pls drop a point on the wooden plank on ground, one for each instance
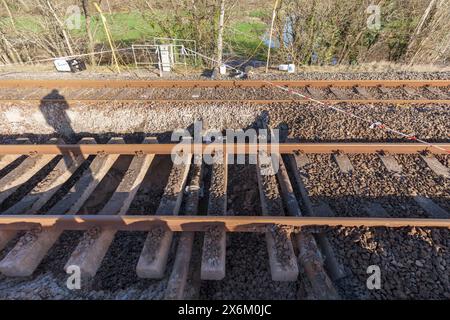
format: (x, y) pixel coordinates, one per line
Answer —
(312, 262)
(215, 240)
(23, 172)
(332, 265)
(431, 208)
(301, 159)
(335, 269)
(176, 285)
(153, 259)
(315, 93)
(437, 167)
(44, 190)
(323, 210)
(24, 258)
(376, 210)
(297, 162)
(283, 263)
(411, 91)
(339, 93)
(384, 90)
(390, 163)
(91, 250)
(7, 159)
(343, 162)
(363, 92)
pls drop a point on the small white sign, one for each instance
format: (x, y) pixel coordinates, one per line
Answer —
(291, 68)
(61, 65)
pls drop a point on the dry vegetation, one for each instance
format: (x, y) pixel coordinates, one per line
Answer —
(310, 32)
(330, 31)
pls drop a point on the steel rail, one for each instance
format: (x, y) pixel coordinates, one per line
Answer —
(250, 101)
(232, 148)
(202, 223)
(52, 84)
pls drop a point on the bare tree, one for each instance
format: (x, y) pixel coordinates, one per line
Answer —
(62, 28)
(220, 33)
(87, 15)
(11, 18)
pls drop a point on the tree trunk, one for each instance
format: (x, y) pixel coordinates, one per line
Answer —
(220, 35)
(91, 44)
(425, 16)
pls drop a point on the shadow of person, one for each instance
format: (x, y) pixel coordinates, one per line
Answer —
(54, 109)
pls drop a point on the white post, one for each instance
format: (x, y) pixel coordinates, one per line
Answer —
(220, 34)
(274, 13)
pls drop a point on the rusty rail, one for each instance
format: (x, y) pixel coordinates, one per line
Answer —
(52, 84)
(250, 101)
(236, 148)
(202, 223)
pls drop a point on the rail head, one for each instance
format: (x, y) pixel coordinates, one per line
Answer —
(202, 223)
(90, 100)
(230, 148)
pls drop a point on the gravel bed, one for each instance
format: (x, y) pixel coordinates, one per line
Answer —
(306, 121)
(399, 93)
(216, 206)
(399, 75)
(217, 190)
(242, 193)
(268, 93)
(313, 123)
(348, 194)
(414, 262)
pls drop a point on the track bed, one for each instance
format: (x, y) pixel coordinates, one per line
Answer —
(213, 261)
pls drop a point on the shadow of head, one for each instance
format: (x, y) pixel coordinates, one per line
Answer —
(53, 107)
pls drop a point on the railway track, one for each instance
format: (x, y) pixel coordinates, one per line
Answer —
(189, 236)
(287, 209)
(249, 91)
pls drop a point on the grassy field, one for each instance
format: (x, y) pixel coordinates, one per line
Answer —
(246, 38)
(133, 27)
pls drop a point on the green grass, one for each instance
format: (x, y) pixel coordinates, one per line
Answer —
(124, 27)
(127, 27)
(245, 37)
(131, 27)
(258, 13)
(23, 23)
